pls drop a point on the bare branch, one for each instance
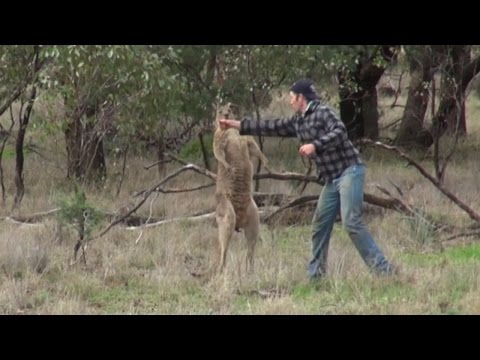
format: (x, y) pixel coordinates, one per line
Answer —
(472, 213)
(210, 215)
(124, 164)
(391, 124)
(148, 219)
(399, 190)
(147, 167)
(200, 217)
(193, 167)
(466, 234)
(294, 203)
(176, 191)
(30, 219)
(146, 194)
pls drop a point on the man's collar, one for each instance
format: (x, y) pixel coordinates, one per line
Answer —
(310, 106)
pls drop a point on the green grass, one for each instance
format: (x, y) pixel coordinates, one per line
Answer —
(457, 255)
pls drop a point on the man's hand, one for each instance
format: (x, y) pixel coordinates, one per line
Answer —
(307, 149)
(229, 123)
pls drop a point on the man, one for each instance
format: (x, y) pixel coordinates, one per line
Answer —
(324, 138)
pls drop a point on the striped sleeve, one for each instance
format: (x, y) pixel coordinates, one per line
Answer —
(282, 127)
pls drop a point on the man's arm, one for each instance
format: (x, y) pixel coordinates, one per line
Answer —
(281, 127)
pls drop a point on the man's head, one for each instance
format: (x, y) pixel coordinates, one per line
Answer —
(301, 93)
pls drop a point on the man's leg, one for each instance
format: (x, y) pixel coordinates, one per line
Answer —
(322, 225)
(350, 186)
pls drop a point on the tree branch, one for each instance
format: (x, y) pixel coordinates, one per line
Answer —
(472, 213)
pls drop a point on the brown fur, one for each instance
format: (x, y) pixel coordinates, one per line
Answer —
(236, 208)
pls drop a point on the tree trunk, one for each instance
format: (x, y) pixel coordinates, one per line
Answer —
(203, 147)
(452, 104)
(411, 130)
(351, 108)
(86, 159)
(23, 123)
(359, 107)
(161, 148)
(370, 114)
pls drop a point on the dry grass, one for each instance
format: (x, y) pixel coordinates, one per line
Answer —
(152, 277)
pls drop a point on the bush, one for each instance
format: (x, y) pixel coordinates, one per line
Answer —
(192, 150)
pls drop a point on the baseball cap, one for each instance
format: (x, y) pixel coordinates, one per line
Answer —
(305, 87)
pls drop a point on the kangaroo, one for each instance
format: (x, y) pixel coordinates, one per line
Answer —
(235, 208)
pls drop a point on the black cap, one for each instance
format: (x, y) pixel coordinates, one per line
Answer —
(306, 88)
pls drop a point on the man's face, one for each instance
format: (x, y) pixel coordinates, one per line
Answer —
(297, 102)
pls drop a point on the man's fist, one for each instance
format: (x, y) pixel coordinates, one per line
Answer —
(307, 149)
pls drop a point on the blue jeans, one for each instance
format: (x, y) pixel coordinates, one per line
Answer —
(346, 193)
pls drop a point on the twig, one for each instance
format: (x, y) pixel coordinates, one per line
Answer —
(176, 191)
(205, 216)
(124, 164)
(146, 222)
(171, 176)
(399, 190)
(466, 234)
(166, 221)
(146, 194)
(391, 124)
(147, 167)
(29, 219)
(472, 213)
(297, 202)
(196, 168)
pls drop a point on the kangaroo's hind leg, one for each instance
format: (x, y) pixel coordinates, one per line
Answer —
(252, 233)
(225, 216)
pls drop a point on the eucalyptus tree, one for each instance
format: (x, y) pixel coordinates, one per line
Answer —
(108, 89)
(19, 69)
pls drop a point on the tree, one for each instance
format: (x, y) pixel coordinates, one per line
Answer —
(361, 69)
(107, 88)
(19, 70)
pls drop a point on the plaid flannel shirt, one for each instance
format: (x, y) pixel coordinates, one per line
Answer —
(319, 126)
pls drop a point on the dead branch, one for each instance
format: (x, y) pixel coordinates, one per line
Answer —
(392, 203)
(200, 217)
(124, 165)
(30, 219)
(399, 190)
(286, 176)
(193, 167)
(294, 203)
(146, 194)
(175, 174)
(472, 213)
(400, 204)
(148, 219)
(176, 191)
(393, 123)
(210, 215)
(262, 199)
(462, 235)
(164, 161)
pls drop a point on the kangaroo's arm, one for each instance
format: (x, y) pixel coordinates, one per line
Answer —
(254, 151)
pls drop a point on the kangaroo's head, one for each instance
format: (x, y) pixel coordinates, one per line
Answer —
(227, 111)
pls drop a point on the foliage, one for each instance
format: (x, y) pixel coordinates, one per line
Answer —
(76, 213)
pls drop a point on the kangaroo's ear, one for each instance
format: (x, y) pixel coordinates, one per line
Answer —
(235, 110)
(215, 107)
(216, 111)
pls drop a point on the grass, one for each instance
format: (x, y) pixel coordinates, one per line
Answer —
(152, 276)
